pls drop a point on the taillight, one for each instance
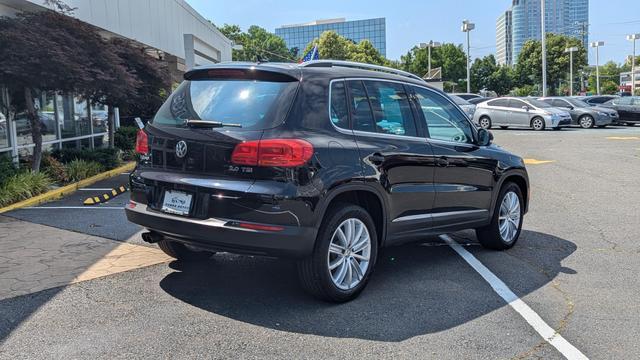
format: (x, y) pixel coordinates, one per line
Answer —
(272, 152)
(142, 142)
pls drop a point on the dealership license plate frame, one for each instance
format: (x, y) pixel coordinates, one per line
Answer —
(171, 202)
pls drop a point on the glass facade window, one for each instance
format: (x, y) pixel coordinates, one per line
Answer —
(73, 116)
(4, 120)
(46, 117)
(373, 30)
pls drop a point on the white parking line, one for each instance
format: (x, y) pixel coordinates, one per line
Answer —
(75, 207)
(530, 316)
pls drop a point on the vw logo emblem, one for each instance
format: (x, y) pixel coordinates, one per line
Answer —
(181, 149)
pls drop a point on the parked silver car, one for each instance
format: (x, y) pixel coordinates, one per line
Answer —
(520, 112)
(466, 106)
(583, 114)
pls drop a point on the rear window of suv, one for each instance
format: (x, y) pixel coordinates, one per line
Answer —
(251, 104)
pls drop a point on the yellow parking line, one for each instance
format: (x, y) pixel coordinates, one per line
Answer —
(623, 138)
(123, 258)
(537, 162)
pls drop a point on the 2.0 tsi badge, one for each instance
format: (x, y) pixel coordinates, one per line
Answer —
(181, 149)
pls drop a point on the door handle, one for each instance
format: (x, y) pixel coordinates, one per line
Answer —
(376, 159)
(442, 161)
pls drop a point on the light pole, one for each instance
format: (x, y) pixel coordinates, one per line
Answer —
(429, 45)
(571, 50)
(597, 44)
(544, 49)
(467, 26)
(633, 38)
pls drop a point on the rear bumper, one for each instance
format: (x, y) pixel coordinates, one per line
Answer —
(225, 234)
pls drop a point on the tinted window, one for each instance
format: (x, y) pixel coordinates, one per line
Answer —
(517, 104)
(249, 103)
(360, 108)
(499, 102)
(444, 120)
(538, 104)
(391, 109)
(560, 103)
(338, 108)
(622, 101)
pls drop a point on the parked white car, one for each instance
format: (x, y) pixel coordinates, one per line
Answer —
(520, 112)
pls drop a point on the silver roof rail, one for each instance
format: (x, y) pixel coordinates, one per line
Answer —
(357, 65)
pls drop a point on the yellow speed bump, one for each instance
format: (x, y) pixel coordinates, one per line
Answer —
(623, 138)
(106, 196)
(537, 162)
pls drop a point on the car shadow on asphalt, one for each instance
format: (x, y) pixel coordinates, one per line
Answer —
(416, 289)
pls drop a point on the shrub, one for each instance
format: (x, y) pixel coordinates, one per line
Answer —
(23, 186)
(108, 158)
(7, 169)
(125, 138)
(56, 170)
(81, 169)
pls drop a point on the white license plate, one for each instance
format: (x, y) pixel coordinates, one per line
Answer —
(176, 202)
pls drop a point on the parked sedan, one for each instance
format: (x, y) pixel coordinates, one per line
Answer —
(520, 112)
(596, 100)
(465, 105)
(628, 108)
(582, 113)
(467, 96)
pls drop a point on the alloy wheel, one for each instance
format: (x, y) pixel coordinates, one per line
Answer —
(485, 123)
(538, 124)
(586, 122)
(349, 254)
(509, 220)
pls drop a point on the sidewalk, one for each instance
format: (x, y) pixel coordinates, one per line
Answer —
(35, 257)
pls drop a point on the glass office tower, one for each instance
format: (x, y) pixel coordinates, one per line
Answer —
(299, 35)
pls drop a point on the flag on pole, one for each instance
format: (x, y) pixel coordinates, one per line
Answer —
(311, 55)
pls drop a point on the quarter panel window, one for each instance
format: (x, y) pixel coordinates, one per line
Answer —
(499, 102)
(338, 109)
(360, 108)
(444, 120)
(391, 109)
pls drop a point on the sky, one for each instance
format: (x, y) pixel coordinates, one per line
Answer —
(415, 21)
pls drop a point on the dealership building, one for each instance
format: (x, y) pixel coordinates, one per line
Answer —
(169, 30)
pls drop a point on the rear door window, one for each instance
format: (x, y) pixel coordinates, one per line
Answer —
(391, 109)
(360, 107)
(250, 104)
(499, 102)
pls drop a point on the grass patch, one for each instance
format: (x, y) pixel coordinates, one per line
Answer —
(80, 169)
(23, 186)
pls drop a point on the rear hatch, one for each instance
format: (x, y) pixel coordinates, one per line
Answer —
(213, 111)
(193, 136)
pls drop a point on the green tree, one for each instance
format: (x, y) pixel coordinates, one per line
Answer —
(450, 57)
(529, 66)
(366, 53)
(481, 71)
(333, 46)
(257, 44)
(501, 80)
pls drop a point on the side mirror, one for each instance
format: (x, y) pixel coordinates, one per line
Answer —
(525, 108)
(485, 137)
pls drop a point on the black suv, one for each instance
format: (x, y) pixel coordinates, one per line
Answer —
(325, 162)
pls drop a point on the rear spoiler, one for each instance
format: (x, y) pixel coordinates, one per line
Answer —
(239, 73)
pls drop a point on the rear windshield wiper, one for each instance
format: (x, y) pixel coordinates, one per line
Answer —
(209, 124)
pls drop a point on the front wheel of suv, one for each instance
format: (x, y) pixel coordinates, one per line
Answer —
(344, 255)
(182, 252)
(503, 231)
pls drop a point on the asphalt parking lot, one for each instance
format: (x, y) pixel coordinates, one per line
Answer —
(575, 266)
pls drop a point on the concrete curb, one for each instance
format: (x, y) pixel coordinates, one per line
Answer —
(68, 189)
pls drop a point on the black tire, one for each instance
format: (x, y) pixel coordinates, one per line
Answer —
(504, 127)
(557, 128)
(535, 126)
(586, 121)
(630, 124)
(485, 122)
(313, 272)
(602, 126)
(489, 236)
(181, 252)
